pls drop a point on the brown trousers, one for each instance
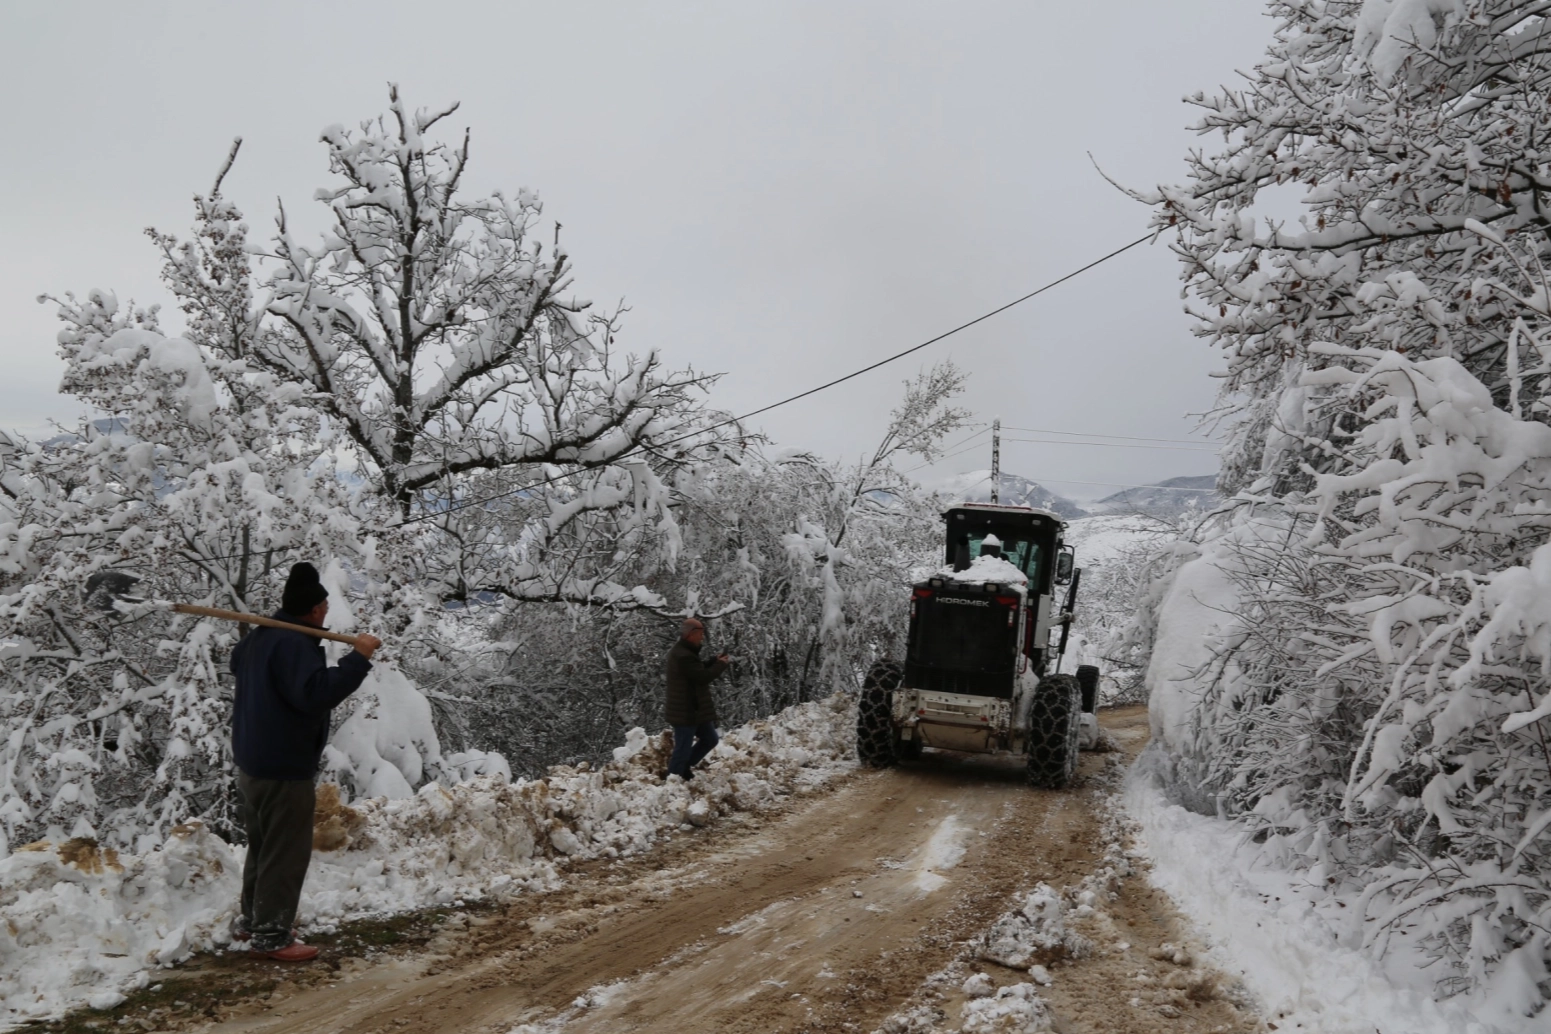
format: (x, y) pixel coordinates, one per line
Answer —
(278, 817)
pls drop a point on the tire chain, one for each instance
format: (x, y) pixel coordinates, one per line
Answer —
(875, 715)
(1055, 725)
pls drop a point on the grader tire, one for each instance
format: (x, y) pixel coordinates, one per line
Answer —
(874, 715)
(1055, 722)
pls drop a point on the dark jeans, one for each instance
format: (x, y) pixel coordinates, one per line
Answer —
(691, 743)
(278, 817)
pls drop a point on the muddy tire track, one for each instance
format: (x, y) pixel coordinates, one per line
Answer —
(827, 917)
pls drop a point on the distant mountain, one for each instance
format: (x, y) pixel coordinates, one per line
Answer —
(105, 425)
(1163, 499)
(975, 487)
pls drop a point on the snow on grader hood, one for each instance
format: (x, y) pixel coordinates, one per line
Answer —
(976, 675)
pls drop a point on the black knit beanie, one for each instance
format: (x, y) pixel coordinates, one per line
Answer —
(303, 590)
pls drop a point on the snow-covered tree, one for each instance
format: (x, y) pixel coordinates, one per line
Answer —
(440, 335)
(1396, 125)
(193, 471)
(1121, 587)
(1374, 699)
(853, 521)
(416, 403)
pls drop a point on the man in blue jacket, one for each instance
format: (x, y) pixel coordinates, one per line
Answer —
(280, 723)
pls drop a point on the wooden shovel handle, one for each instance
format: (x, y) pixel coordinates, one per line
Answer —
(255, 619)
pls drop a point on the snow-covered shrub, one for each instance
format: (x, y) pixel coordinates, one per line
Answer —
(1381, 706)
(1354, 658)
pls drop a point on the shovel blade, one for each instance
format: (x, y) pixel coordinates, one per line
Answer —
(106, 589)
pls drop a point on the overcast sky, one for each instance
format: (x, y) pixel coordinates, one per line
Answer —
(780, 191)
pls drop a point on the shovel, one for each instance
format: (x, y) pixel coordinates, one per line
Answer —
(109, 591)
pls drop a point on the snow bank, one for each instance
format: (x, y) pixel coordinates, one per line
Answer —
(1193, 619)
(80, 924)
(1012, 1010)
(1198, 621)
(1290, 940)
(1034, 929)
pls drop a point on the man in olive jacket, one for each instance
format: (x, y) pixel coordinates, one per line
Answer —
(690, 709)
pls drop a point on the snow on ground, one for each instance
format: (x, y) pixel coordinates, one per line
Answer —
(79, 925)
(1290, 940)
(1041, 925)
(1036, 923)
(944, 849)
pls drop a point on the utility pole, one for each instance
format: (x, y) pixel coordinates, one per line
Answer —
(996, 460)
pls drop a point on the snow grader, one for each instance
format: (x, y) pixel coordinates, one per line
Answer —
(976, 675)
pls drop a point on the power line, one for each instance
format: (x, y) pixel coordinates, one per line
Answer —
(1095, 434)
(1111, 445)
(940, 459)
(1100, 484)
(949, 450)
(963, 441)
(787, 401)
(1111, 484)
(1194, 447)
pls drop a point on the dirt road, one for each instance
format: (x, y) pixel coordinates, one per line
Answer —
(829, 916)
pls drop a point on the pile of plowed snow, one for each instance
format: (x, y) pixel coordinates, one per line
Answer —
(79, 925)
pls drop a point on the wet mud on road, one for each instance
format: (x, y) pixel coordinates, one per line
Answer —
(831, 915)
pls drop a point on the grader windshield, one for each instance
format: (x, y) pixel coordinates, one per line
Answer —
(1028, 538)
(1023, 554)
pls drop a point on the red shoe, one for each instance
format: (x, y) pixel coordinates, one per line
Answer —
(242, 935)
(296, 951)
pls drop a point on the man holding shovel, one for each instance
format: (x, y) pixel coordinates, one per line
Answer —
(280, 723)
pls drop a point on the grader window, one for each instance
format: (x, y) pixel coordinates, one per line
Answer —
(1024, 554)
